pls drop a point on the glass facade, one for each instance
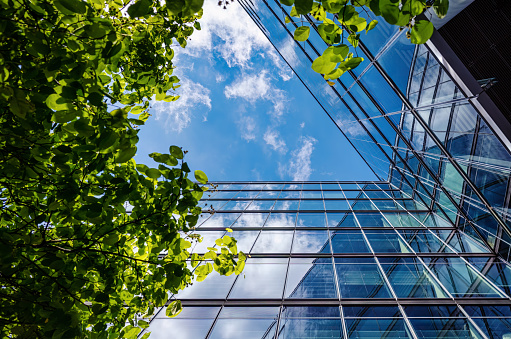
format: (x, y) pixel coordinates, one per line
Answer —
(422, 253)
(408, 116)
(341, 260)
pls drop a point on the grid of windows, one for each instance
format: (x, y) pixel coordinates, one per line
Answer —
(360, 271)
(409, 120)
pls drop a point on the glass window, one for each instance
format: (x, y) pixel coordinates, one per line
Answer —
(311, 205)
(386, 242)
(245, 239)
(311, 242)
(215, 286)
(191, 323)
(360, 278)
(281, 220)
(222, 220)
(273, 242)
(423, 241)
(446, 328)
(311, 220)
(310, 322)
(234, 205)
(261, 278)
(263, 205)
(245, 322)
(251, 220)
(371, 220)
(349, 242)
(341, 220)
(337, 205)
(460, 279)
(410, 279)
(286, 205)
(310, 278)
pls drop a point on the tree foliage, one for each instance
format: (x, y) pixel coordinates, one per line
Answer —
(90, 241)
(341, 22)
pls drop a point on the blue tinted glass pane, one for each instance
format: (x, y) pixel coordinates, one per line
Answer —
(311, 205)
(262, 278)
(251, 220)
(371, 220)
(273, 242)
(281, 220)
(246, 322)
(423, 241)
(386, 242)
(311, 220)
(286, 205)
(361, 281)
(460, 279)
(377, 328)
(341, 220)
(371, 311)
(348, 242)
(444, 328)
(310, 280)
(310, 328)
(311, 242)
(410, 279)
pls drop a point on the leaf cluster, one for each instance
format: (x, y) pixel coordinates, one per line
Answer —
(91, 243)
(340, 23)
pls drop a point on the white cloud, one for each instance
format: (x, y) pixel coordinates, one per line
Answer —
(257, 87)
(178, 114)
(272, 138)
(238, 35)
(299, 167)
(302, 125)
(247, 126)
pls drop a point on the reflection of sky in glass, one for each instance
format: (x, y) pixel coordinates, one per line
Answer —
(261, 278)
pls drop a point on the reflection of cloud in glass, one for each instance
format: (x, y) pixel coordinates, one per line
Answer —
(251, 220)
(281, 220)
(244, 239)
(220, 220)
(311, 242)
(273, 242)
(215, 286)
(262, 278)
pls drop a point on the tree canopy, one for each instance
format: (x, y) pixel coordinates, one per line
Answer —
(90, 241)
(341, 22)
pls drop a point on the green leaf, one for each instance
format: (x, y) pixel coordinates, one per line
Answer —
(303, 6)
(354, 39)
(371, 25)
(177, 152)
(201, 177)
(287, 2)
(125, 154)
(71, 6)
(153, 173)
(336, 53)
(239, 267)
(174, 308)
(352, 63)
(441, 7)
(390, 11)
(330, 32)
(302, 33)
(421, 32)
(139, 8)
(131, 332)
(323, 65)
(57, 103)
(333, 6)
(111, 239)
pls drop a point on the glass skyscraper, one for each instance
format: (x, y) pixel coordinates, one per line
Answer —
(421, 253)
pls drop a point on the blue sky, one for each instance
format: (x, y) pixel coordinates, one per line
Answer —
(242, 114)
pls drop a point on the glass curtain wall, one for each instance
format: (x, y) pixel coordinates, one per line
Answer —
(409, 120)
(341, 260)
